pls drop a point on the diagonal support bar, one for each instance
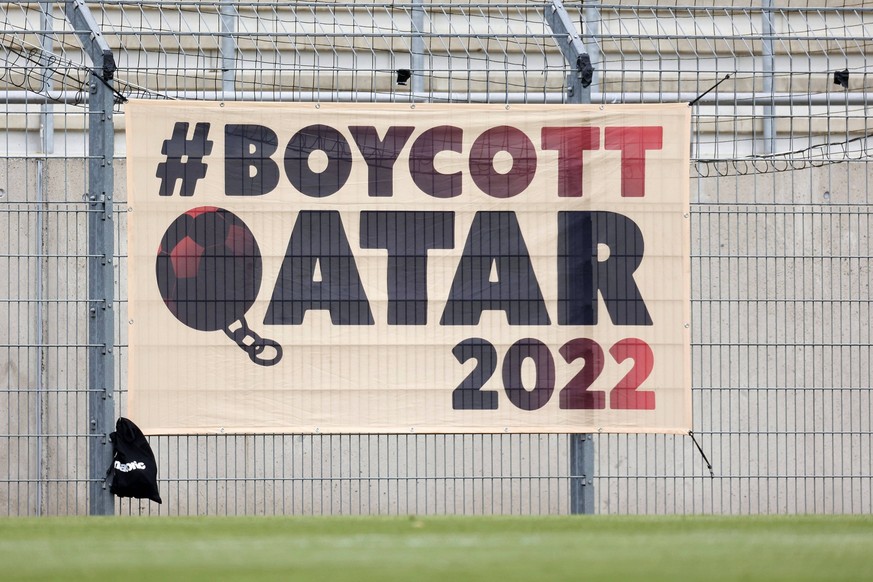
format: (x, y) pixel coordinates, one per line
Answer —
(92, 40)
(579, 81)
(101, 252)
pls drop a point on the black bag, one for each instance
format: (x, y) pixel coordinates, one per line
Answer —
(134, 471)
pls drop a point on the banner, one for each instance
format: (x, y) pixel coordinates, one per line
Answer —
(389, 268)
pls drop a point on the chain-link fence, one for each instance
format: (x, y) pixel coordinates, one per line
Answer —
(781, 335)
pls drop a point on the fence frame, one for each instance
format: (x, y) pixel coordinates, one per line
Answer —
(826, 175)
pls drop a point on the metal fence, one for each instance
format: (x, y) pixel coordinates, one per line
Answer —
(781, 255)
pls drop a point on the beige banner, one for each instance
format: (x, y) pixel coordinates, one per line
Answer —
(371, 268)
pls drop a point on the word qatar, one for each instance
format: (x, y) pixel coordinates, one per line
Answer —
(494, 243)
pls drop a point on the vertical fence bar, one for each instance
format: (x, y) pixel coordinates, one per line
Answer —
(46, 131)
(581, 445)
(227, 48)
(769, 123)
(416, 59)
(101, 250)
(592, 32)
(46, 46)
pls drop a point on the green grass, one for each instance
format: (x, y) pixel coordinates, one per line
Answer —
(445, 549)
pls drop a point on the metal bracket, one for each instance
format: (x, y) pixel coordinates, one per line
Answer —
(109, 66)
(102, 204)
(102, 304)
(585, 70)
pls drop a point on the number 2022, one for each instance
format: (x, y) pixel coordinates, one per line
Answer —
(575, 395)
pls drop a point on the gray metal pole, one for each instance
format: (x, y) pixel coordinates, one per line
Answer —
(227, 49)
(592, 44)
(581, 445)
(581, 474)
(46, 46)
(47, 139)
(768, 65)
(571, 46)
(101, 250)
(416, 59)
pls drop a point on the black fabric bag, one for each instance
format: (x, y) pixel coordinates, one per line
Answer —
(134, 471)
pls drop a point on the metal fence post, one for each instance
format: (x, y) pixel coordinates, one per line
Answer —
(568, 40)
(227, 50)
(581, 445)
(101, 362)
(592, 31)
(47, 136)
(417, 48)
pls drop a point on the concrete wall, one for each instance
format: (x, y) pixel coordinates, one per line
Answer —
(43, 387)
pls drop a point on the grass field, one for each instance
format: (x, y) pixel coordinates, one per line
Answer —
(448, 549)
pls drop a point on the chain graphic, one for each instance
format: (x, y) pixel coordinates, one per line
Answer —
(253, 344)
(184, 159)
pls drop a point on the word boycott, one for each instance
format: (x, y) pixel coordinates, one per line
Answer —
(250, 170)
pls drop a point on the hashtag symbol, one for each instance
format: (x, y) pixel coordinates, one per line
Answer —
(184, 159)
